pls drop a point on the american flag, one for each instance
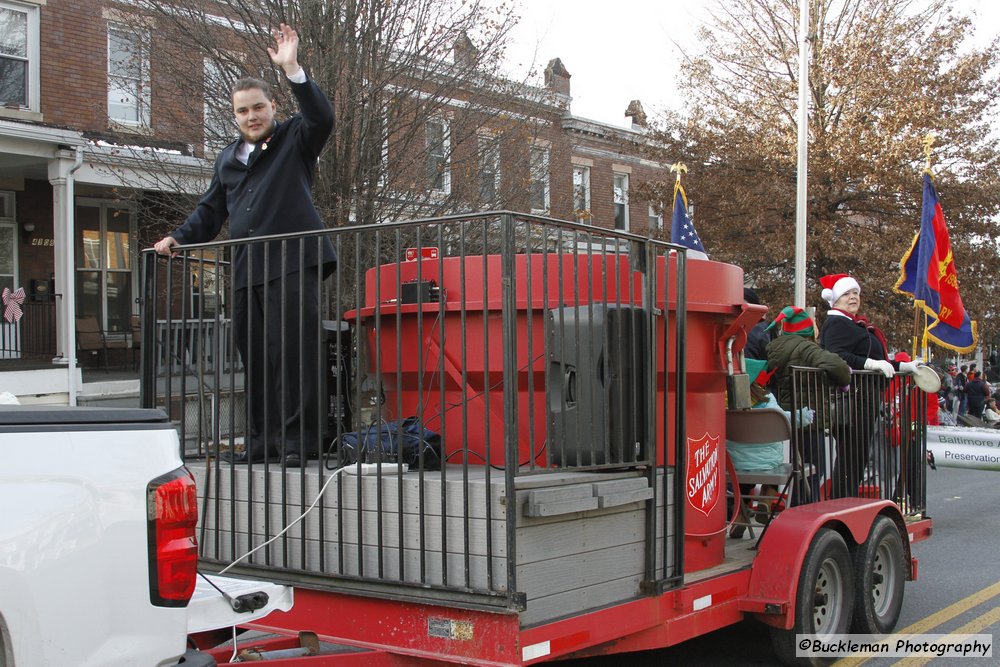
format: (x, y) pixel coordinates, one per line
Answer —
(682, 231)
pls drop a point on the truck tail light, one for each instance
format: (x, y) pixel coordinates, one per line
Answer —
(172, 513)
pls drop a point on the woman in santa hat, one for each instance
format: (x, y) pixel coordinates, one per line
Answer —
(862, 345)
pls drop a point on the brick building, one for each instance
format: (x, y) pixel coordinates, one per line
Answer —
(89, 125)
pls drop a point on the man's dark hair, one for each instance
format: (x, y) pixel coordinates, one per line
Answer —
(249, 83)
(750, 296)
(964, 368)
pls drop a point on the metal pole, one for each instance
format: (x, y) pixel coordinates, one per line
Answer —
(802, 170)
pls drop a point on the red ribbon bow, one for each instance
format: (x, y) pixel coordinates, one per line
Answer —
(12, 304)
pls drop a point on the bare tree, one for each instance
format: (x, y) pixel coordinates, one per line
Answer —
(883, 74)
(423, 114)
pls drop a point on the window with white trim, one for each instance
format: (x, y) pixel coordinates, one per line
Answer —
(621, 201)
(218, 108)
(655, 219)
(383, 163)
(19, 56)
(581, 194)
(104, 267)
(489, 169)
(8, 242)
(128, 76)
(438, 149)
(539, 187)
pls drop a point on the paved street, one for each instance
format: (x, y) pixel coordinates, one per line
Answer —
(958, 589)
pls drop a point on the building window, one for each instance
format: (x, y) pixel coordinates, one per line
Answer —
(655, 219)
(581, 194)
(128, 76)
(8, 242)
(219, 125)
(621, 201)
(104, 263)
(539, 179)
(489, 170)
(19, 56)
(438, 145)
(383, 136)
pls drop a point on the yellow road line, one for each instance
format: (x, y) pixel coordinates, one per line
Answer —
(934, 620)
(970, 628)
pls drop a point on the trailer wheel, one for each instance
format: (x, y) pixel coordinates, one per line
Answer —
(824, 598)
(879, 574)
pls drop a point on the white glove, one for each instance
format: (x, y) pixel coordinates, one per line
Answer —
(880, 365)
(910, 366)
(807, 416)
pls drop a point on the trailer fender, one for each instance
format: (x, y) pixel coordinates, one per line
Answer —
(782, 550)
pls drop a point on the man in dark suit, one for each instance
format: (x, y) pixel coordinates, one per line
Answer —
(262, 184)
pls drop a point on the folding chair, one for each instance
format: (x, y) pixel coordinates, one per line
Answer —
(762, 426)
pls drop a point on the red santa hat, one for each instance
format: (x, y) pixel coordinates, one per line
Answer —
(836, 285)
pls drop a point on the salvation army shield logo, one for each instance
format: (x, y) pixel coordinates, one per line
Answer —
(704, 474)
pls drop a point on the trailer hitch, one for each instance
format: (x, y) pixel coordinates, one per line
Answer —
(308, 645)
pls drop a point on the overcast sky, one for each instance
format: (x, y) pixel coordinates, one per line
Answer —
(629, 49)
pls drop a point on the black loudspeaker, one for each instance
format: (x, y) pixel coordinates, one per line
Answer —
(340, 371)
(597, 389)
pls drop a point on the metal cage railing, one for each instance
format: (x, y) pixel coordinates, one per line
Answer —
(492, 353)
(867, 440)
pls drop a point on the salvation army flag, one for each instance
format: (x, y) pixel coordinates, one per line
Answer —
(682, 231)
(928, 274)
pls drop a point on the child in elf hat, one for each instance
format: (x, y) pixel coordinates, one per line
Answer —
(757, 458)
(760, 458)
(797, 346)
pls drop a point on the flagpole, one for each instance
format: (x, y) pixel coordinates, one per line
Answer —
(918, 308)
(803, 159)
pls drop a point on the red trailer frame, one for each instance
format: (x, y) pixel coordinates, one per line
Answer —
(397, 632)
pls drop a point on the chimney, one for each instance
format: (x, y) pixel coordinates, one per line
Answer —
(464, 52)
(557, 78)
(635, 112)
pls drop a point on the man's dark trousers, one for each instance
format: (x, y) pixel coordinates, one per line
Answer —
(277, 334)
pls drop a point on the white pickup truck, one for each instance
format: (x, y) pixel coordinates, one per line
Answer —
(97, 539)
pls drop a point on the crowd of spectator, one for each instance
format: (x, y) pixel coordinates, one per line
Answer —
(965, 391)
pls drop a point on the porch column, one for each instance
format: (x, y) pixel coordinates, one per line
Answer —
(61, 170)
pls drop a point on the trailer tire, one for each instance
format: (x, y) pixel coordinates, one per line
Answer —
(824, 598)
(879, 577)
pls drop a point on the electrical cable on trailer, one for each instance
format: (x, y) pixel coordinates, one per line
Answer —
(264, 544)
(289, 526)
(331, 449)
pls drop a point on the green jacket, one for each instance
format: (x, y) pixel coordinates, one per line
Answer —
(791, 350)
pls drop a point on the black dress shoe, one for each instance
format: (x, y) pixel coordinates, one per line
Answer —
(293, 460)
(252, 457)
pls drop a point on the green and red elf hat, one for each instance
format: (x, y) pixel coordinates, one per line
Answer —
(796, 321)
(757, 370)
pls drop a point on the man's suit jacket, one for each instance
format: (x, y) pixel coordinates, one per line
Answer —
(271, 194)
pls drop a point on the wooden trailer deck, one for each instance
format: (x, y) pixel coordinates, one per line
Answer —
(579, 536)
